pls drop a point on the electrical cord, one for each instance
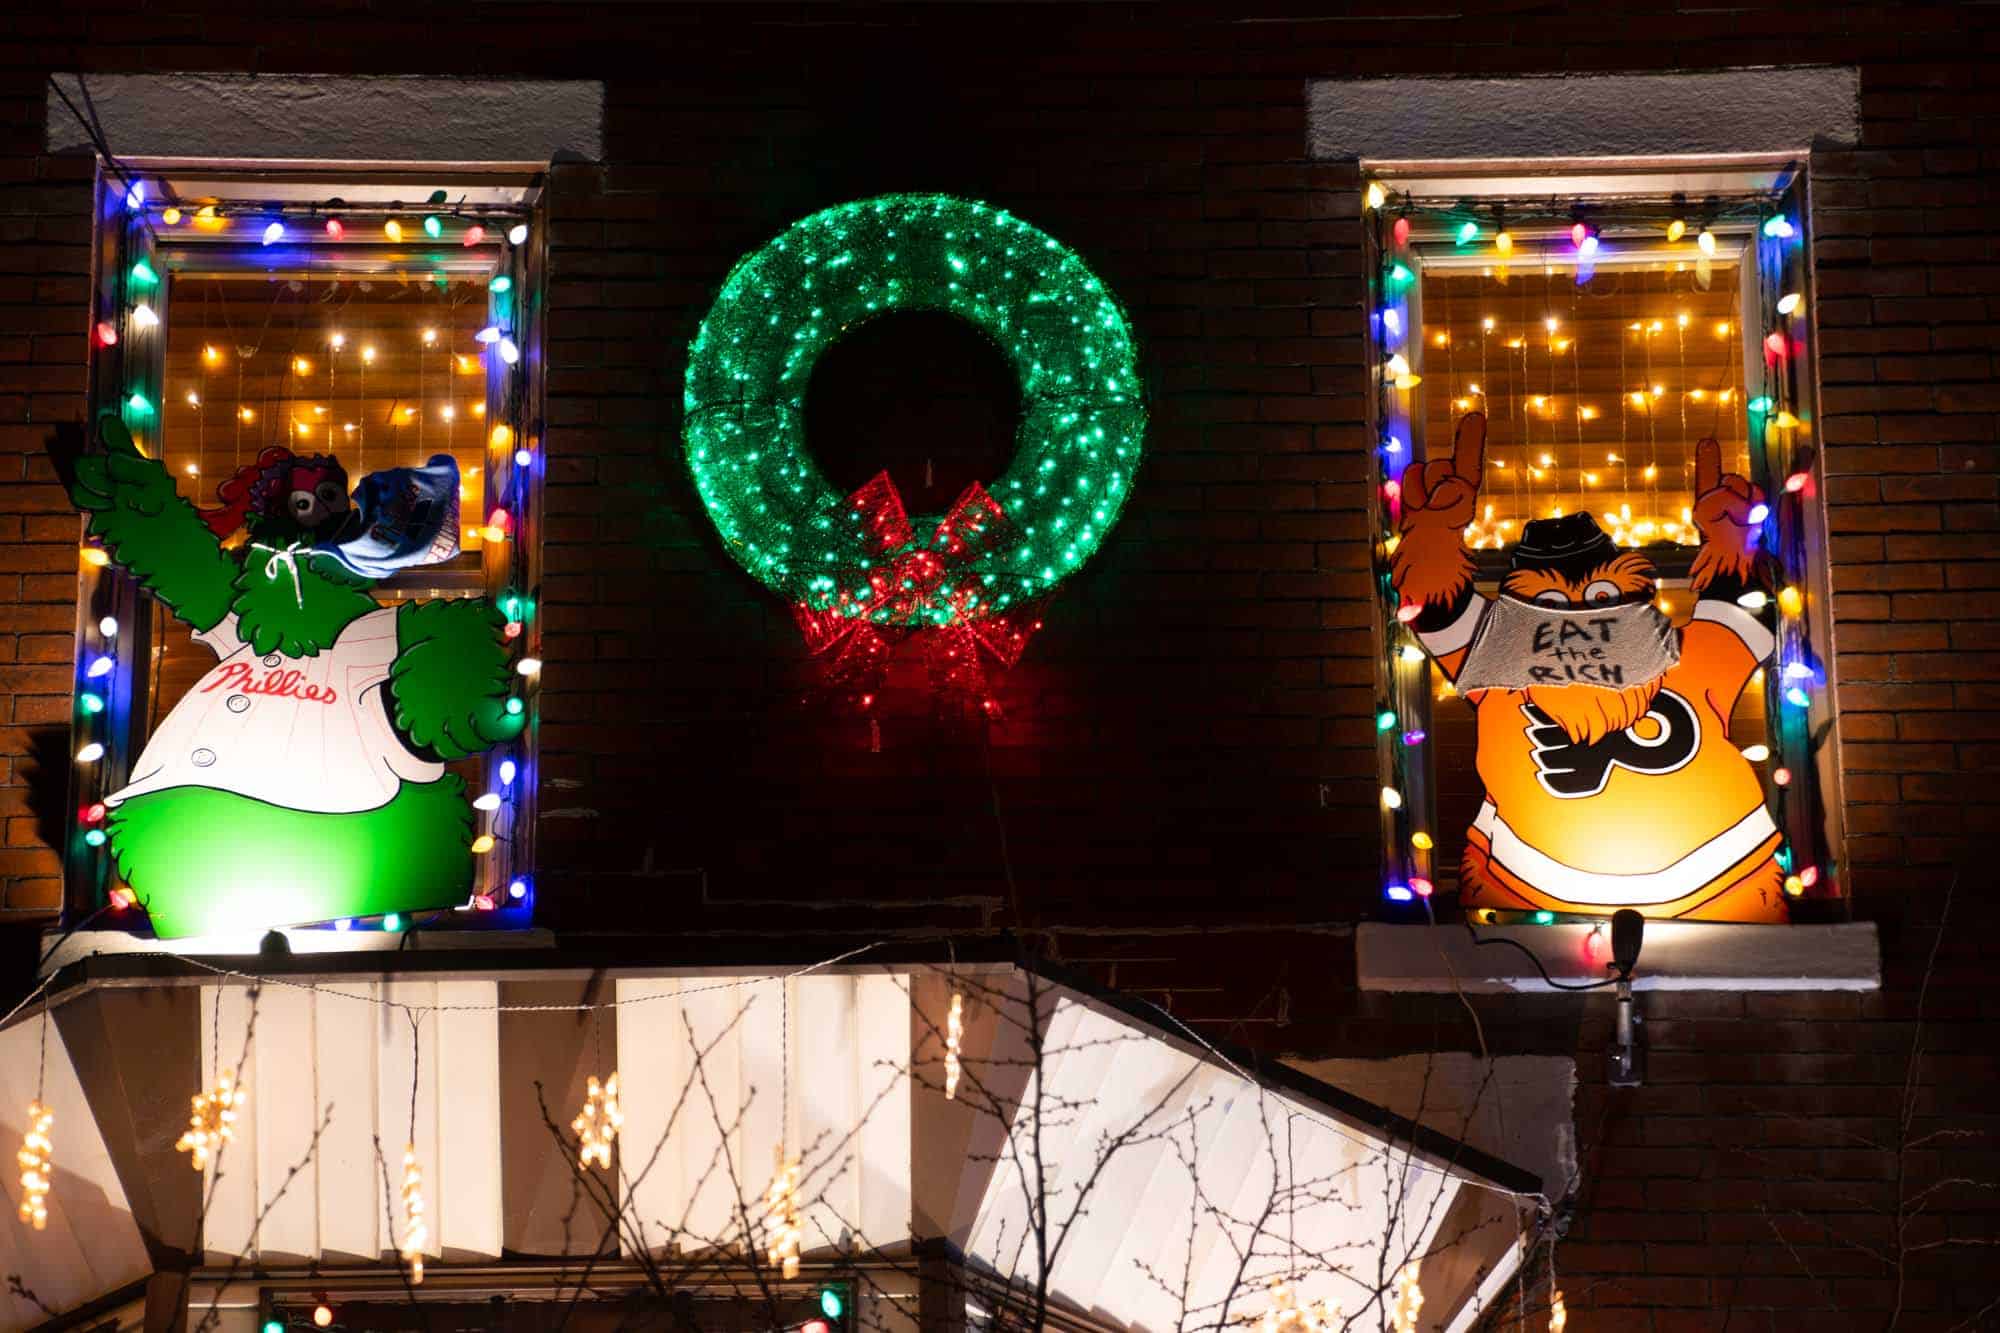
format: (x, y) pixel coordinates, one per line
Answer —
(1536, 960)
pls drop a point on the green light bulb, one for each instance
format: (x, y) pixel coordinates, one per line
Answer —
(90, 703)
(143, 274)
(1545, 918)
(830, 1303)
(392, 923)
(1385, 720)
(432, 227)
(139, 405)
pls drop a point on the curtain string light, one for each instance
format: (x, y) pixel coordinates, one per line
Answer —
(954, 1035)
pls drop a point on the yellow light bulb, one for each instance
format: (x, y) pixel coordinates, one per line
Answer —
(482, 844)
(393, 229)
(1790, 600)
(1676, 229)
(1421, 841)
(302, 366)
(1376, 195)
(95, 557)
(1784, 421)
(1504, 242)
(1794, 886)
(501, 436)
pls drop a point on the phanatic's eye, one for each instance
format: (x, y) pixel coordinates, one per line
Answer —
(1601, 592)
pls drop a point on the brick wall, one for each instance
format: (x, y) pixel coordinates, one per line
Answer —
(1185, 777)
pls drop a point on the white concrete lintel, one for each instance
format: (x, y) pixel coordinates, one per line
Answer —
(1756, 110)
(1677, 955)
(62, 950)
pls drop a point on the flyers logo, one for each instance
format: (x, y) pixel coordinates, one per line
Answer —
(1569, 770)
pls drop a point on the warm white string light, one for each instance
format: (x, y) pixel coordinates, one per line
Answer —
(1558, 1313)
(416, 1227)
(954, 1036)
(599, 1121)
(212, 1122)
(781, 1217)
(36, 1168)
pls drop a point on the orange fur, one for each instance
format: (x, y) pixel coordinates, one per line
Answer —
(1725, 553)
(1430, 565)
(1589, 713)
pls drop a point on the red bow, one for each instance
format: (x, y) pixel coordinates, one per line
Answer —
(933, 590)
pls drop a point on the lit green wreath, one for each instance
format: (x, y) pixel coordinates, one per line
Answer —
(859, 556)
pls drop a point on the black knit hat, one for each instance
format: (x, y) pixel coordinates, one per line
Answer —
(1571, 545)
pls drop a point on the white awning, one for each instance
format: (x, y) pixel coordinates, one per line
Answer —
(1165, 1181)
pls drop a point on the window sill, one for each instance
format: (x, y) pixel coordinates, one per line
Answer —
(1677, 956)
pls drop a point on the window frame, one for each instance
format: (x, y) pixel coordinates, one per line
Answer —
(510, 572)
(1803, 739)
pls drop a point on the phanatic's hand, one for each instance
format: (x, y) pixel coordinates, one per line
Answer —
(450, 683)
(149, 529)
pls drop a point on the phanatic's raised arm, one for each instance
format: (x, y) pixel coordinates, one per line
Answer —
(449, 688)
(149, 530)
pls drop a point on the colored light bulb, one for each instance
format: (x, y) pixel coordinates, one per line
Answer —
(95, 557)
(107, 334)
(482, 844)
(335, 228)
(1706, 241)
(393, 229)
(90, 703)
(1809, 876)
(139, 405)
(1797, 697)
(170, 216)
(1468, 232)
(1781, 776)
(517, 233)
(1758, 513)
(517, 889)
(489, 334)
(144, 316)
(1421, 841)
(509, 352)
(1503, 242)
(432, 227)
(501, 283)
(1412, 654)
(1375, 196)
(1385, 720)
(1790, 302)
(1778, 346)
(274, 233)
(1794, 885)
(1400, 273)
(1391, 799)
(1790, 600)
(508, 769)
(1797, 482)
(90, 753)
(473, 235)
(95, 838)
(1397, 893)
(135, 198)
(1577, 233)
(393, 922)
(1421, 886)
(529, 666)
(100, 666)
(514, 706)
(1754, 600)
(345, 923)
(522, 458)
(1401, 231)
(1676, 229)
(1413, 738)
(487, 801)
(1391, 445)
(1779, 226)
(1545, 918)
(1797, 671)
(144, 275)
(1756, 754)
(108, 627)
(1761, 403)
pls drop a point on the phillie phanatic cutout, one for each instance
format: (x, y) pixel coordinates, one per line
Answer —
(1604, 747)
(302, 778)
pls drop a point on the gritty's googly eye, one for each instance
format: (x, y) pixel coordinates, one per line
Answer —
(1601, 592)
(1550, 597)
(302, 503)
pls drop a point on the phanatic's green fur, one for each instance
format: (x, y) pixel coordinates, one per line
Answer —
(150, 531)
(449, 681)
(204, 861)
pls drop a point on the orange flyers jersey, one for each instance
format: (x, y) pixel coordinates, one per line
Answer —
(1662, 817)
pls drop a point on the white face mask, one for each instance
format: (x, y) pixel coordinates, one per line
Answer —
(1520, 644)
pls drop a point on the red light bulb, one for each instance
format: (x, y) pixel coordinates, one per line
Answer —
(1797, 482)
(1577, 232)
(1401, 231)
(107, 334)
(335, 229)
(1809, 876)
(474, 234)
(1777, 347)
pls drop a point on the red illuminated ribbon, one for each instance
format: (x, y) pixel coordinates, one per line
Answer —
(932, 590)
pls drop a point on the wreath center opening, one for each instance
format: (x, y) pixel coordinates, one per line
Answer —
(924, 395)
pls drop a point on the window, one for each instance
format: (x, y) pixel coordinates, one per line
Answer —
(239, 313)
(1601, 326)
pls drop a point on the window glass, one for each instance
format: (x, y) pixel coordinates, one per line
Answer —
(1595, 393)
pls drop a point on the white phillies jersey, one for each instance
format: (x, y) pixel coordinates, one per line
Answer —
(305, 733)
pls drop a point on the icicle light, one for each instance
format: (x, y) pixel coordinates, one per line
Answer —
(599, 1121)
(212, 1122)
(35, 1166)
(781, 1218)
(954, 1035)
(1409, 1298)
(416, 1227)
